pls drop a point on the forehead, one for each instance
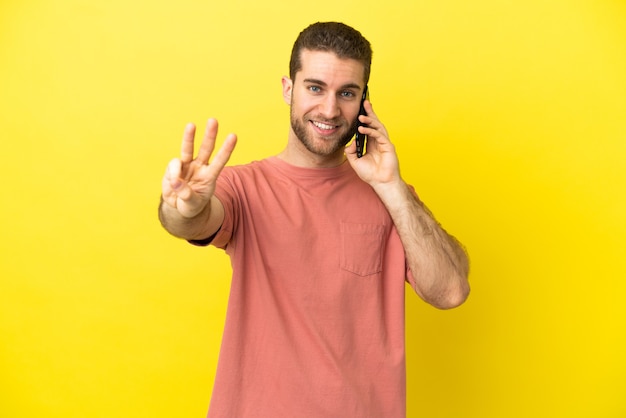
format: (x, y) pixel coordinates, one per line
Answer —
(329, 68)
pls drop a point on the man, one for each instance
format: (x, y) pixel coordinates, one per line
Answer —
(321, 242)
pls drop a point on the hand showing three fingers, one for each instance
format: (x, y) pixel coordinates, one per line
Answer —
(189, 183)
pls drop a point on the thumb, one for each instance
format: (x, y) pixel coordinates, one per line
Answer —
(172, 174)
(178, 186)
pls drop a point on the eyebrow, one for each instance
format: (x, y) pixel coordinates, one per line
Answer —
(322, 83)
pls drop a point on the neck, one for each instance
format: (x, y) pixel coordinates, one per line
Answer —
(295, 153)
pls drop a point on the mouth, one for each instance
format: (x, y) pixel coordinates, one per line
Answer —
(324, 128)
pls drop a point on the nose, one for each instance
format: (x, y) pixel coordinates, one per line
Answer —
(329, 107)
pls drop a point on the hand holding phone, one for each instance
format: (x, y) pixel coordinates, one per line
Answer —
(361, 138)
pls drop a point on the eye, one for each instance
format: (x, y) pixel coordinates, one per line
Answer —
(347, 94)
(315, 89)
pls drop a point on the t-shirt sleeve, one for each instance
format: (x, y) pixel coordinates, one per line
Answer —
(227, 195)
(203, 242)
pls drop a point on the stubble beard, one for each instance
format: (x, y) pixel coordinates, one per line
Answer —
(323, 148)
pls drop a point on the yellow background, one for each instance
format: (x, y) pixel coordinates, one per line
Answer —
(510, 120)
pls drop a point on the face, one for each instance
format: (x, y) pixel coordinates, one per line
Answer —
(325, 100)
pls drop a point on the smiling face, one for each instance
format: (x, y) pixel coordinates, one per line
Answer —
(325, 100)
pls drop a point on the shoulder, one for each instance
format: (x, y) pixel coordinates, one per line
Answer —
(248, 170)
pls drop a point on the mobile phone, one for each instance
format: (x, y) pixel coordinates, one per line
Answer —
(360, 138)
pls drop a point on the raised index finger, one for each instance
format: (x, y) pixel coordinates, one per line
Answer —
(186, 151)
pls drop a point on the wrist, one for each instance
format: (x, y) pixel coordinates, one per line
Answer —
(183, 225)
(392, 192)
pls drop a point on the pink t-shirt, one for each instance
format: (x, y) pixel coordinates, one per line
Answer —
(315, 320)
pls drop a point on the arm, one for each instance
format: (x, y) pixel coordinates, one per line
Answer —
(188, 207)
(438, 262)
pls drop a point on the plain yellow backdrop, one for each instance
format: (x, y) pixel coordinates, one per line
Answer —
(509, 118)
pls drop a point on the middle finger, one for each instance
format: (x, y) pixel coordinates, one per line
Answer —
(208, 143)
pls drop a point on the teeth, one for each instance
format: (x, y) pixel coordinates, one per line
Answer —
(323, 125)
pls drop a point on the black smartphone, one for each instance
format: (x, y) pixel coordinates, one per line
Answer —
(360, 138)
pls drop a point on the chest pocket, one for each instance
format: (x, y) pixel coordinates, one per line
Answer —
(362, 248)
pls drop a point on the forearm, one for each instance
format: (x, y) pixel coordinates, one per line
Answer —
(201, 226)
(438, 262)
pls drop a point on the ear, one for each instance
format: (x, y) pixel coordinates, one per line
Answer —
(287, 89)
